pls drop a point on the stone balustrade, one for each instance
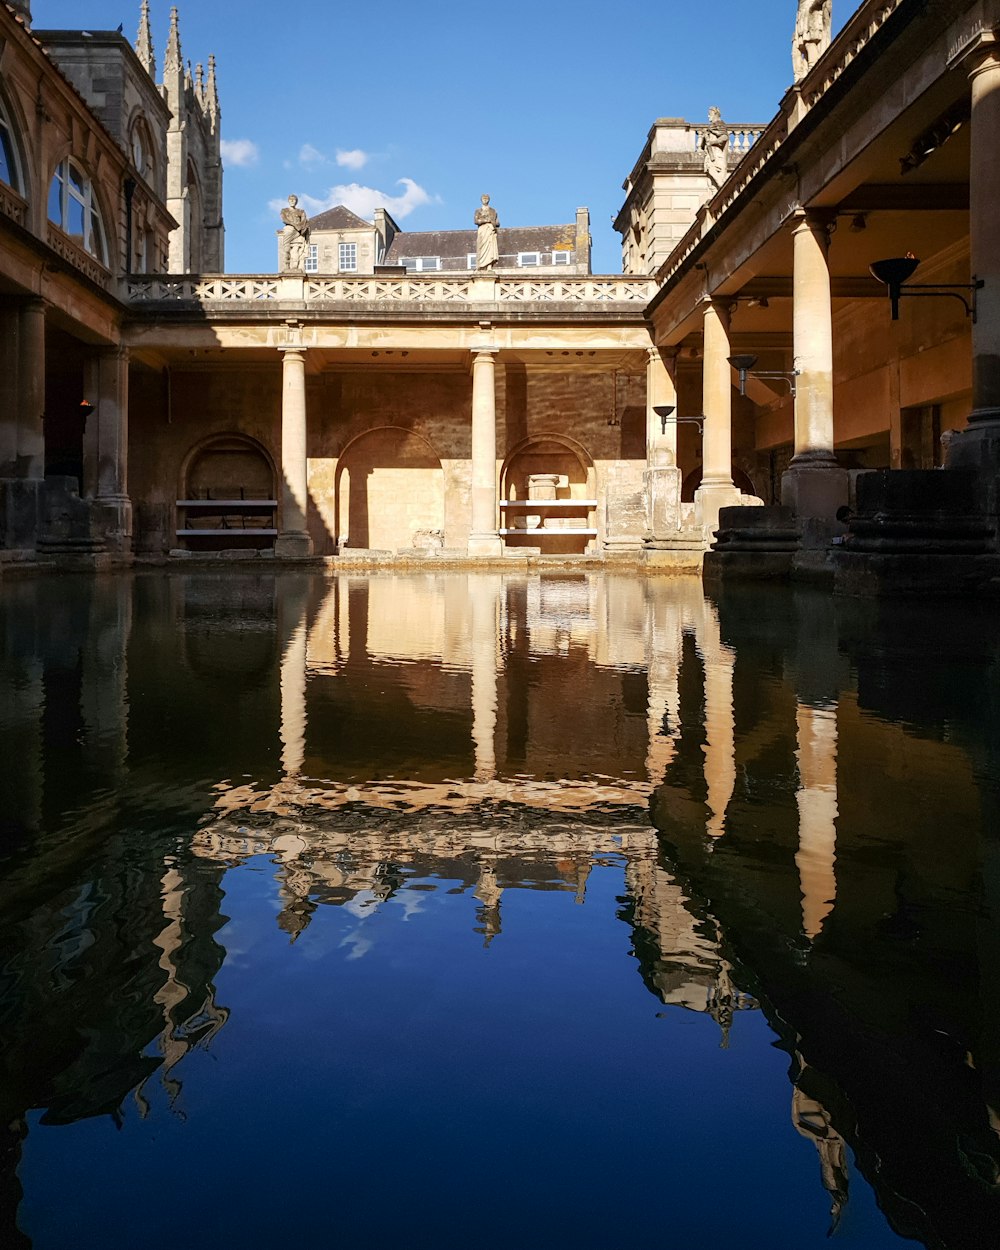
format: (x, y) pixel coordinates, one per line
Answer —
(742, 136)
(856, 34)
(251, 290)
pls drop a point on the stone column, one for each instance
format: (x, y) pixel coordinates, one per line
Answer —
(10, 318)
(984, 239)
(817, 803)
(483, 537)
(293, 541)
(31, 384)
(717, 489)
(814, 486)
(662, 476)
(108, 433)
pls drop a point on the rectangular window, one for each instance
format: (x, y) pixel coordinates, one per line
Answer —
(348, 258)
(420, 264)
(562, 258)
(470, 260)
(312, 258)
(527, 259)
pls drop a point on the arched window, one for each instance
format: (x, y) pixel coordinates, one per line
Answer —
(142, 151)
(10, 170)
(73, 208)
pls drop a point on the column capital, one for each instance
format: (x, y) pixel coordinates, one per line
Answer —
(291, 353)
(976, 52)
(117, 351)
(488, 352)
(818, 220)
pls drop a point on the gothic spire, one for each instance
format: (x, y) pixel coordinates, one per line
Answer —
(188, 78)
(212, 94)
(144, 41)
(172, 61)
(199, 82)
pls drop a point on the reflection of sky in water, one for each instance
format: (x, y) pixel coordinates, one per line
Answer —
(437, 1086)
(505, 910)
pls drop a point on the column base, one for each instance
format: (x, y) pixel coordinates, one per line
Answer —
(112, 522)
(709, 499)
(977, 450)
(663, 500)
(485, 546)
(20, 513)
(815, 490)
(293, 545)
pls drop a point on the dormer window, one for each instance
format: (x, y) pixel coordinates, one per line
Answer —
(422, 264)
(562, 258)
(73, 209)
(527, 260)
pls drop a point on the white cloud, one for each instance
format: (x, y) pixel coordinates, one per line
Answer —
(355, 158)
(240, 152)
(308, 155)
(364, 200)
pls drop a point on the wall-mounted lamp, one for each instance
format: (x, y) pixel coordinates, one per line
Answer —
(85, 409)
(744, 366)
(665, 411)
(894, 272)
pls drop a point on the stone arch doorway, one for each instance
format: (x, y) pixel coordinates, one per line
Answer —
(390, 492)
(228, 495)
(567, 527)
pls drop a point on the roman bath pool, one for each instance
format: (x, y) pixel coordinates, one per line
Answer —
(497, 911)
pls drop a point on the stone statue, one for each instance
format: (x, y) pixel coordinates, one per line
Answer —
(294, 237)
(487, 246)
(715, 145)
(813, 32)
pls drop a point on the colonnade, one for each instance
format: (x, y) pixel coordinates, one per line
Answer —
(104, 478)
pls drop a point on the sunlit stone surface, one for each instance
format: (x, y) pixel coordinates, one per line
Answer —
(523, 911)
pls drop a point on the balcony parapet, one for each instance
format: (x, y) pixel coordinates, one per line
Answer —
(248, 292)
(799, 101)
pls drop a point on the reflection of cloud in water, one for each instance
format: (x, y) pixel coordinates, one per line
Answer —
(358, 943)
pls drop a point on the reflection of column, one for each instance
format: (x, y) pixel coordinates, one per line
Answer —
(293, 703)
(110, 425)
(716, 490)
(104, 681)
(483, 538)
(720, 725)
(812, 1121)
(294, 539)
(665, 637)
(817, 802)
(814, 486)
(484, 593)
(984, 239)
(291, 594)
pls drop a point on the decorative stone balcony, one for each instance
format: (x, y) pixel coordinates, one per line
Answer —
(613, 295)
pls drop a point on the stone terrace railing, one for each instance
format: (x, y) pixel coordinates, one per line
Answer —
(742, 136)
(865, 23)
(252, 290)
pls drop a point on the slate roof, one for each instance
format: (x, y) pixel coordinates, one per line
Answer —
(338, 218)
(458, 244)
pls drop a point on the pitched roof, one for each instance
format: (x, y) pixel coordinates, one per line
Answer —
(338, 218)
(460, 243)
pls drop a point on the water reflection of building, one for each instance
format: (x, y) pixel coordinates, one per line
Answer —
(819, 823)
(850, 866)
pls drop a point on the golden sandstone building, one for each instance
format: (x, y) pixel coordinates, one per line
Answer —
(746, 357)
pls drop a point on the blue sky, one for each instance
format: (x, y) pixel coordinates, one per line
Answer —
(423, 107)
